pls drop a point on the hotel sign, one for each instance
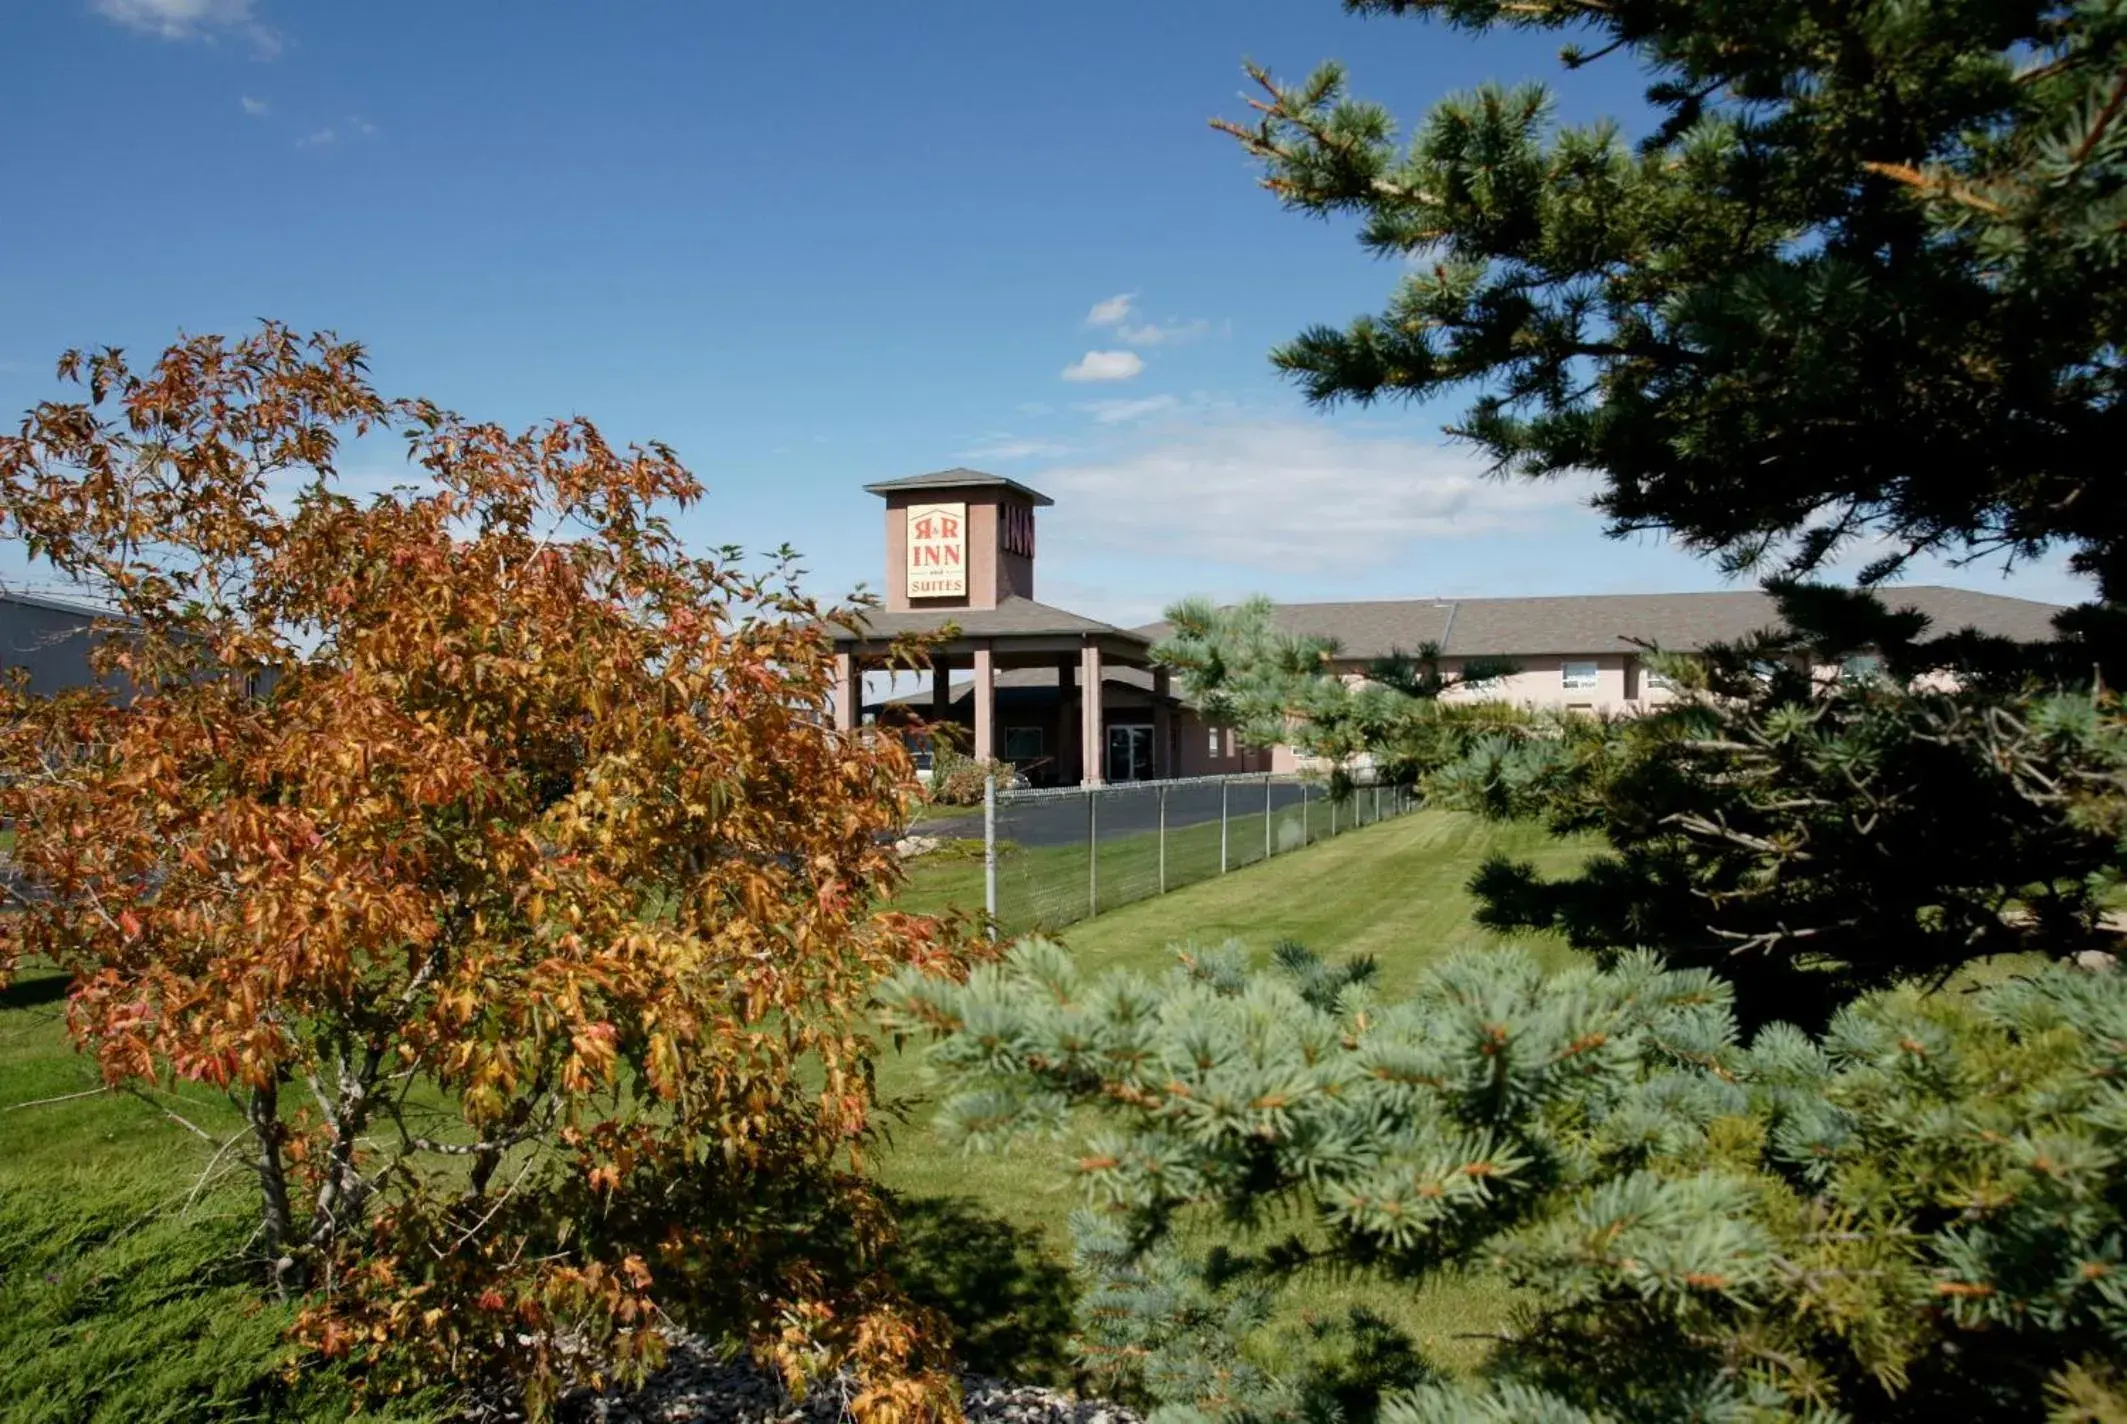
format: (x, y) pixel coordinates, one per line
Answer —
(937, 550)
(1018, 529)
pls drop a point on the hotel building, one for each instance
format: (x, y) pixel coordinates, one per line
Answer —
(1071, 699)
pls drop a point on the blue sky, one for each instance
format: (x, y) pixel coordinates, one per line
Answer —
(810, 247)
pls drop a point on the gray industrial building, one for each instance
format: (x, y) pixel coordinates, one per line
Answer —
(50, 638)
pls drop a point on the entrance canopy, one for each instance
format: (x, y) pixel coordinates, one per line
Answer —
(1017, 633)
(960, 568)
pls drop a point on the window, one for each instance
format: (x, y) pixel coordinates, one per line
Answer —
(1214, 744)
(1862, 667)
(1577, 675)
(1022, 743)
(1660, 680)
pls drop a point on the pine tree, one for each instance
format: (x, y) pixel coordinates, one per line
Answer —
(1240, 669)
(1814, 824)
(1920, 1215)
(1863, 276)
(1833, 805)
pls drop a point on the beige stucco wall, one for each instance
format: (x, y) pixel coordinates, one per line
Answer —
(1621, 685)
(1541, 683)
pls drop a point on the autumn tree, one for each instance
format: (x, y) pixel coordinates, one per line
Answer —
(496, 856)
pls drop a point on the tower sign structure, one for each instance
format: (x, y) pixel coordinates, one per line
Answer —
(960, 563)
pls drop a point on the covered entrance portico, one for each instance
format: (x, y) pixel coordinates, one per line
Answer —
(1072, 738)
(960, 575)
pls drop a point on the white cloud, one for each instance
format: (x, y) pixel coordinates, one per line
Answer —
(1291, 495)
(256, 108)
(192, 20)
(2046, 578)
(1115, 412)
(1104, 366)
(1119, 311)
(1169, 333)
(354, 127)
(372, 470)
(1101, 599)
(1014, 447)
(1111, 311)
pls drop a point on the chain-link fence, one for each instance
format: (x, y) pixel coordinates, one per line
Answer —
(1055, 856)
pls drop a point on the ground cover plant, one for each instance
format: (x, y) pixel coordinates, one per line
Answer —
(124, 1292)
(1395, 892)
(491, 856)
(1918, 1216)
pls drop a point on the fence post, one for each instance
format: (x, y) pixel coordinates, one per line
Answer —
(989, 850)
(1225, 793)
(1163, 840)
(1092, 855)
(1266, 816)
(1303, 815)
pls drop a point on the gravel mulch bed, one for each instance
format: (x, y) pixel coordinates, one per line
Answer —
(696, 1387)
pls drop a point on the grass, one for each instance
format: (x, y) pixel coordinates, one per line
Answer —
(121, 1293)
(121, 1296)
(1395, 891)
(1049, 887)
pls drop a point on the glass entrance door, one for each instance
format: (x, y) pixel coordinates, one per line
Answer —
(1129, 753)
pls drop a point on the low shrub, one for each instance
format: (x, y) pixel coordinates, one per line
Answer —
(1919, 1215)
(958, 779)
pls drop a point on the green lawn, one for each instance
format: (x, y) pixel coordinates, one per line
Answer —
(1047, 888)
(119, 1294)
(1394, 891)
(119, 1300)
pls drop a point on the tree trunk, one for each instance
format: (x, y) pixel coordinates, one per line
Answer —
(342, 1195)
(278, 1224)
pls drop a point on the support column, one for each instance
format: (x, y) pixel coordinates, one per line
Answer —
(1162, 726)
(941, 688)
(985, 705)
(1066, 740)
(849, 692)
(1091, 724)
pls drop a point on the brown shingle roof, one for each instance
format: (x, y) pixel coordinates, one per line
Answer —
(1598, 623)
(1012, 615)
(959, 477)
